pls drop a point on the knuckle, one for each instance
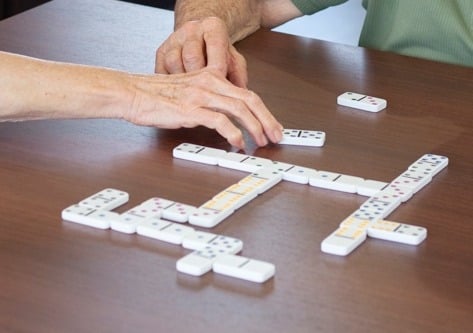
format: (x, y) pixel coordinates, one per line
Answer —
(213, 22)
(252, 97)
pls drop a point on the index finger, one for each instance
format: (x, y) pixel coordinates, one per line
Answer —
(217, 43)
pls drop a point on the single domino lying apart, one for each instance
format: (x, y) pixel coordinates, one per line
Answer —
(362, 102)
(300, 137)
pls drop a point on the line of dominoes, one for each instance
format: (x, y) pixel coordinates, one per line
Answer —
(164, 220)
(289, 172)
(366, 221)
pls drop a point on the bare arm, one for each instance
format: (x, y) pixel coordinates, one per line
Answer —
(39, 89)
(241, 17)
(205, 31)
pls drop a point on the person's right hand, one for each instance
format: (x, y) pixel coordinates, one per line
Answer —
(204, 98)
(199, 44)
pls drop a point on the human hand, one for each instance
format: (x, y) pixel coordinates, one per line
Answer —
(204, 98)
(199, 44)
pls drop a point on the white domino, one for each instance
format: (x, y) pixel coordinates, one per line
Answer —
(300, 175)
(343, 241)
(72, 212)
(200, 261)
(165, 231)
(356, 222)
(366, 214)
(262, 180)
(243, 268)
(178, 212)
(405, 193)
(231, 200)
(126, 223)
(198, 153)
(243, 162)
(226, 244)
(152, 226)
(362, 102)
(397, 232)
(346, 183)
(281, 167)
(88, 216)
(413, 180)
(323, 179)
(200, 239)
(129, 220)
(197, 263)
(382, 204)
(430, 163)
(152, 207)
(107, 199)
(234, 161)
(248, 192)
(370, 187)
(302, 138)
(208, 218)
(223, 201)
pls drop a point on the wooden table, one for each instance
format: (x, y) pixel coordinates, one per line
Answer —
(57, 276)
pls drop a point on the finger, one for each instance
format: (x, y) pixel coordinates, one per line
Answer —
(193, 55)
(237, 69)
(234, 107)
(245, 106)
(217, 44)
(159, 66)
(169, 58)
(216, 121)
(271, 126)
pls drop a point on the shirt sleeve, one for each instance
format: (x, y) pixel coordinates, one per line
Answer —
(308, 7)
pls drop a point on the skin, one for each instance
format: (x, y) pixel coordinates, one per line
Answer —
(206, 30)
(38, 89)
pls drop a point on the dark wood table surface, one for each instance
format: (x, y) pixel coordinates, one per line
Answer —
(57, 276)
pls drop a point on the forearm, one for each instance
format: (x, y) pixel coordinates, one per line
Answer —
(37, 89)
(241, 17)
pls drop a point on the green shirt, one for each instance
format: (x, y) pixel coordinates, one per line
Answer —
(439, 30)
